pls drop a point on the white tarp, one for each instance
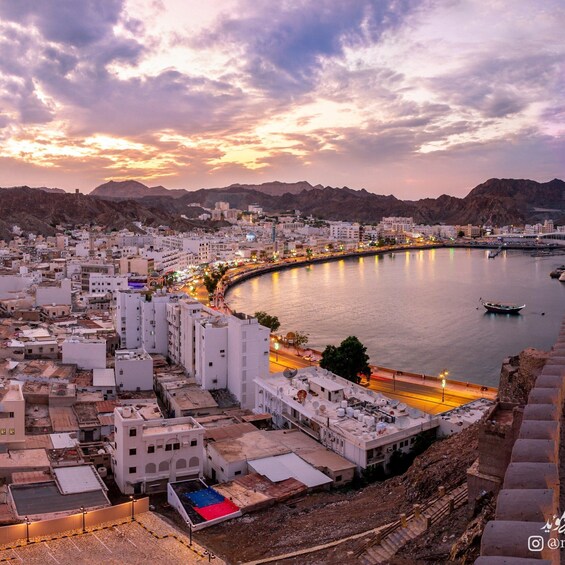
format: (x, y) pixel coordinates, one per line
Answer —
(281, 467)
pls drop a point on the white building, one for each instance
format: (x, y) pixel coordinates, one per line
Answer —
(149, 452)
(397, 224)
(141, 319)
(12, 413)
(344, 231)
(361, 425)
(85, 353)
(134, 369)
(103, 284)
(54, 293)
(220, 351)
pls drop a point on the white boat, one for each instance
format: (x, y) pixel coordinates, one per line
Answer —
(562, 277)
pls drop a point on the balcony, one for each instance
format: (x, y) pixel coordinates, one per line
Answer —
(305, 426)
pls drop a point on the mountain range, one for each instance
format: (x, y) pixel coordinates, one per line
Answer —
(117, 204)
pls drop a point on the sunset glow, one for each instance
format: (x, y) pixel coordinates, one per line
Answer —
(409, 98)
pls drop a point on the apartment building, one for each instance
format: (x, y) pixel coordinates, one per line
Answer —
(134, 369)
(149, 451)
(219, 350)
(344, 230)
(140, 319)
(361, 425)
(12, 413)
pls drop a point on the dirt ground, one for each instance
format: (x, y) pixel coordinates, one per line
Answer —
(322, 517)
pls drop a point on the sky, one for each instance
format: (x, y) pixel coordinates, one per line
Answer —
(404, 97)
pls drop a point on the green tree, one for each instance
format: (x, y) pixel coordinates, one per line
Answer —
(460, 233)
(308, 252)
(300, 340)
(214, 276)
(271, 322)
(349, 360)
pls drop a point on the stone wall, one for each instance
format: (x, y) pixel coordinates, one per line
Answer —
(530, 492)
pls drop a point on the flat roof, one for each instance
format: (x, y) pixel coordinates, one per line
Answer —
(61, 441)
(103, 377)
(45, 498)
(79, 478)
(281, 467)
(251, 445)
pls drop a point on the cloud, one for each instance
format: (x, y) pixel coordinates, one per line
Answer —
(364, 93)
(66, 21)
(284, 46)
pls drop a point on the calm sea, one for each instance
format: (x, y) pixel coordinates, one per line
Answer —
(418, 310)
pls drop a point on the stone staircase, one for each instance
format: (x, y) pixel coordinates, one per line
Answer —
(387, 542)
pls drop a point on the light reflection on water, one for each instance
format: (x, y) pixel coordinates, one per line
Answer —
(418, 310)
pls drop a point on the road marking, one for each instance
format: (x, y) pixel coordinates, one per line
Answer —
(79, 549)
(102, 542)
(50, 554)
(17, 555)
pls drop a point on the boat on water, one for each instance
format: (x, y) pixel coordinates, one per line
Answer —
(499, 308)
(556, 273)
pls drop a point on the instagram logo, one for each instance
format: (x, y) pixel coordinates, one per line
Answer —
(535, 543)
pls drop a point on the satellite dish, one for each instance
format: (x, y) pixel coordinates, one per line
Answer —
(280, 390)
(322, 408)
(290, 373)
(316, 404)
(301, 394)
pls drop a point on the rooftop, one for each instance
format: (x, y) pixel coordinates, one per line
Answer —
(45, 498)
(251, 445)
(363, 416)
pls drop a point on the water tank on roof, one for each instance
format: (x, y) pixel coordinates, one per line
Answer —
(349, 412)
(344, 403)
(340, 412)
(103, 472)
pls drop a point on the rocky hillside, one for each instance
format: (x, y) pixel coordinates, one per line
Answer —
(38, 211)
(132, 189)
(497, 201)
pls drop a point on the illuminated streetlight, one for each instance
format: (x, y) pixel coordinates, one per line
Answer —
(277, 346)
(443, 377)
(27, 529)
(83, 511)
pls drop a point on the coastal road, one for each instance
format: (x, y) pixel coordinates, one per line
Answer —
(421, 395)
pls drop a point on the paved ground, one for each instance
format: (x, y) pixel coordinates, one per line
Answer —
(125, 544)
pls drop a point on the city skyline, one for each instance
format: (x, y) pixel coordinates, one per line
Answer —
(414, 99)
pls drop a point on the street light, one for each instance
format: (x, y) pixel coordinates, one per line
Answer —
(27, 529)
(132, 508)
(83, 511)
(277, 346)
(443, 377)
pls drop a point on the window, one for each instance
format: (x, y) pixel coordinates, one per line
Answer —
(193, 442)
(176, 446)
(132, 432)
(210, 364)
(237, 473)
(169, 447)
(2, 431)
(132, 470)
(12, 431)
(150, 449)
(11, 414)
(337, 478)
(133, 451)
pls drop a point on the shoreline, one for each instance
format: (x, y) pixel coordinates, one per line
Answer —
(253, 272)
